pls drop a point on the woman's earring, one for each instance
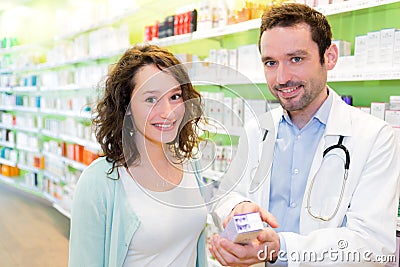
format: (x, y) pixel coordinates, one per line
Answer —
(131, 132)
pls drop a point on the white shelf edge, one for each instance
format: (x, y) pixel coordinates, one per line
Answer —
(7, 144)
(5, 89)
(173, 40)
(27, 148)
(98, 25)
(228, 29)
(54, 177)
(353, 5)
(24, 129)
(62, 210)
(68, 87)
(25, 109)
(67, 113)
(28, 168)
(336, 76)
(86, 143)
(24, 89)
(76, 164)
(8, 162)
(366, 75)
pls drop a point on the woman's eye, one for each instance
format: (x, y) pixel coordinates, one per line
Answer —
(151, 100)
(176, 96)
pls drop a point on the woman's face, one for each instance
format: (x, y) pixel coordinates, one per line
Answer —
(157, 105)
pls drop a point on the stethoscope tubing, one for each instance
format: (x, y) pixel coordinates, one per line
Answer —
(339, 145)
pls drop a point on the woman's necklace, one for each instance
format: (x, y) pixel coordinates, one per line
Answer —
(152, 179)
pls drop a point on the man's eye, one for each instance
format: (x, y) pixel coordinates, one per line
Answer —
(296, 59)
(269, 63)
(176, 96)
(151, 100)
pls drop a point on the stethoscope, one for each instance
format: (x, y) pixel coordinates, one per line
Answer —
(339, 145)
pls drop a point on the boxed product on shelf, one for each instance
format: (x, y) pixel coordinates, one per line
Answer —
(386, 47)
(228, 112)
(249, 62)
(204, 16)
(344, 47)
(9, 171)
(378, 109)
(373, 45)
(392, 117)
(360, 51)
(238, 111)
(396, 50)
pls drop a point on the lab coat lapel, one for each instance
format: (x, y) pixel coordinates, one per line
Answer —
(339, 123)
(268, 124)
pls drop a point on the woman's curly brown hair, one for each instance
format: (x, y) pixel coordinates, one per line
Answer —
(112, 125)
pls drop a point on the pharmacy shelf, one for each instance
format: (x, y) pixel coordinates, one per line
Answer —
(66, 113)
(24, 89)
(338, 76)
(5, 89)
(333, 76)
(28, 168)
(8, 162)
(28, 148)
(18, 89)
(347, 6)
(83, 142)
(94, 59)
(65, 88)
(73, 163)
(14, 181)
(53, 177)
(330, 9)
(7, 144)
(20, 48)
(63, 211)
(101, 24)
(24, 129)
(56, 205)
(19, 128)
(19, 108)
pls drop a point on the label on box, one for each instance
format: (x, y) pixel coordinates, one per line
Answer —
(243, 228)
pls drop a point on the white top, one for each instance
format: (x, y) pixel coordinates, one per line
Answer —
(170, 223)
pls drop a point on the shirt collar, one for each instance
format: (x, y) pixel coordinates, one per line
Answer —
(322, 113)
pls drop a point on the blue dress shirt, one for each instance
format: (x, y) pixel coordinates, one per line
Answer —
(293, 155)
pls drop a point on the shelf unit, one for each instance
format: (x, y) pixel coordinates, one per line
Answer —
(214, 34)
(47, 184)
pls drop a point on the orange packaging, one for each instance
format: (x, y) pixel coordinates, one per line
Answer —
(78, 153)
(70, 151)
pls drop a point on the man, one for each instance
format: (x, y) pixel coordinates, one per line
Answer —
(326, 171)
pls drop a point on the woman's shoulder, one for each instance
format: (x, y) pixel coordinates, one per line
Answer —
(98, 172)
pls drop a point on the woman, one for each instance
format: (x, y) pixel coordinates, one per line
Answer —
(140, 204)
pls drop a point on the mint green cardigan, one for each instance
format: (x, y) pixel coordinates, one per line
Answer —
(112, 224)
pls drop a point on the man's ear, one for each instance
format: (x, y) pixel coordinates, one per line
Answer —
(331, 56)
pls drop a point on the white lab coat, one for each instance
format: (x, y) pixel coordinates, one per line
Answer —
(366, 221)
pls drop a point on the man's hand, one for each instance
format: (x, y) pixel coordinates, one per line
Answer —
(247, 207)
(265, 248)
